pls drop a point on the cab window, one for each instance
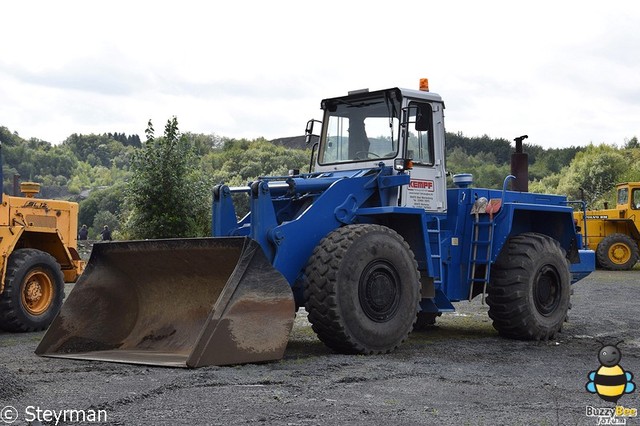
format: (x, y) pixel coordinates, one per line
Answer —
(623, 196)
(420, 137)
(635, 199)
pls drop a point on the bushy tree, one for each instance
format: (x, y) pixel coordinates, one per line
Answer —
(102, 218)
(105, 199)
(7, 138)
(250, 159)
(241, 161)
(167, 196)
(500, 148)
(98, 150)
(204, 144)
(632, 174)
(596, 170)
(486, 171)
(546, 185)
(489, 159)
(38, 161)
(632, 143)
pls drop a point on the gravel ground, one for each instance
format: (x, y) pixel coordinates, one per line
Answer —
(458, 372)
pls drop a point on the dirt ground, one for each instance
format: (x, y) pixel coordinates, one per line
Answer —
(460, 373)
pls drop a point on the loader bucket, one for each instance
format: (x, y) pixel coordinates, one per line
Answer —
(177, 303)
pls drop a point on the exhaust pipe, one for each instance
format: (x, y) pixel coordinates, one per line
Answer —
(520, 166)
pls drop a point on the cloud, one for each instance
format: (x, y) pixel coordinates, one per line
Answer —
(80, 75)
(259, 87)
(565, 73)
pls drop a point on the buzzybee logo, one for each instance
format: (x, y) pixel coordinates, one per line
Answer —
(610, 381)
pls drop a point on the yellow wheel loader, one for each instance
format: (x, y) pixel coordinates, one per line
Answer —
(38, 245)
(614, 234)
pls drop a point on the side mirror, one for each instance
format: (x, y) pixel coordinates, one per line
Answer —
(308, 131)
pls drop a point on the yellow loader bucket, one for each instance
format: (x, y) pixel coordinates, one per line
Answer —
(178, 303)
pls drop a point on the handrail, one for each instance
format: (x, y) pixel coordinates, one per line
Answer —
(504, 186)
(584, 217)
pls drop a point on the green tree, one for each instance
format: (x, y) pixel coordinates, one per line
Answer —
(633, 173)
(240, 161)
(596, 170)
(102, 218)
(632, 143)
(500, 148)
(106, 199)
(98, 150)
(39, 161)
(9, 139)
(486, 171)
(204, 144)
(167, 196)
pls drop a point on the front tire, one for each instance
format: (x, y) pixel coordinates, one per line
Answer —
(362, 290)
(530, 287)
(33, 291)
(617, 252)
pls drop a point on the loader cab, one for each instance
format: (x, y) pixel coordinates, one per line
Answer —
(628, 196)
(422, 133)
(365, 129)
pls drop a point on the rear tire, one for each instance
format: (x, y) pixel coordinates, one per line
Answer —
(33, 291)
(617, 252)
(530, 287)
(362, 289)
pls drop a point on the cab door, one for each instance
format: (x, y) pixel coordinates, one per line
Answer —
(423, 136)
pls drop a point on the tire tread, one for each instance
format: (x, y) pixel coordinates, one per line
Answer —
(509, 307)
(321, 301)
(11, 316)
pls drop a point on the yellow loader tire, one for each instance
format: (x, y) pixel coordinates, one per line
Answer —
(33, 291)
(617, 252)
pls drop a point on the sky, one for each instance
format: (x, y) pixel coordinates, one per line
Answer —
(564, 72)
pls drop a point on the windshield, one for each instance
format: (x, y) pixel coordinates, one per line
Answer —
(361, 130)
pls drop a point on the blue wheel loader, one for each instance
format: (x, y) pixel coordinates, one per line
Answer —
(370, 243)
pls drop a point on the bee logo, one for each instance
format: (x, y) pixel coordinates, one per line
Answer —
(610, 381)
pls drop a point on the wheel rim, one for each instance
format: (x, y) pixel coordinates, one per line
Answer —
(619, 253)
(379, 291)
(547, 290)
(37, 292)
